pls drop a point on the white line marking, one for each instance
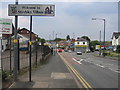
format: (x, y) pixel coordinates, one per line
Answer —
(114, 70)
(11, 85)
(77, 61)
(100, 65)
(81, 60)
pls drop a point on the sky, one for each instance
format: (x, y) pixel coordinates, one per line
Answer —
(71, 17)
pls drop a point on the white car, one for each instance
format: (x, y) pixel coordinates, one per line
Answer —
(79, 53)
(70, 51)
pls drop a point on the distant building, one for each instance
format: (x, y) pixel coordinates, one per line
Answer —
(24, 37)
(82, 45)
(63, 44)
(25, 32)
(116, 38)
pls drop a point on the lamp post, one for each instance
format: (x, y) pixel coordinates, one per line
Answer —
(104, 32)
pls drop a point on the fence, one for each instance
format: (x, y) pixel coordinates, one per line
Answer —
(8, 56)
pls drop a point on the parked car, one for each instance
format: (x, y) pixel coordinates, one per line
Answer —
(70, 51)
(59, 50)
(79, 53)
(66, 50)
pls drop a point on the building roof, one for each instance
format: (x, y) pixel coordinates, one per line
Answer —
(81, 39)
(26, 30)
(116, 34)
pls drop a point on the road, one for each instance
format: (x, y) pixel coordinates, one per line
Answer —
(96, 72)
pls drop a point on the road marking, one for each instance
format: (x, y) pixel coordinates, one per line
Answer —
(81, 60)
(106, 66)
(80, 78)
(100, 65)
(77, 61)
(71, 68)
(11, 85)
(114, 70)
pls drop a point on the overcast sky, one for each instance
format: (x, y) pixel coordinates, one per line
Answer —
(71, 17)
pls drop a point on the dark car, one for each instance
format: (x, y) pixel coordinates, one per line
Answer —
(66, 50)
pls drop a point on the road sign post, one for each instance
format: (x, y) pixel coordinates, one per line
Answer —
(28, 10)
(31, 10)
(5, 26)
(30, 48)
(15, 47)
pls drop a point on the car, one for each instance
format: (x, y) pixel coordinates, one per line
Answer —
(66, 50)
(79, 53)
(59, 50)
(70, 51)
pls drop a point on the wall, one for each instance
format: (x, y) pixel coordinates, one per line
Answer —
(115, 41)
(81, 43)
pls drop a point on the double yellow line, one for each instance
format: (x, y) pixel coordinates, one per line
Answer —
(80, 78)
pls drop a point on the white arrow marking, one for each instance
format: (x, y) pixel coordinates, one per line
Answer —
(77, 61)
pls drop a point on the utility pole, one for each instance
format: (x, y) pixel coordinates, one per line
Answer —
(100, 44)
(104, 38)
(36, 49)
(10, 55)
(73, 35)
(56, 38)
(49, 38)
(30, 43)
(53, 35)
(15, 47)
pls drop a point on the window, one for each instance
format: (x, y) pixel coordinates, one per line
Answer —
(83, 42)
(77, 42)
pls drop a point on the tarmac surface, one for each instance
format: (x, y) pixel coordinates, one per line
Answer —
(53, 74)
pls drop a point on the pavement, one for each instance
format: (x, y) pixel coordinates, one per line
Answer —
(53, 74)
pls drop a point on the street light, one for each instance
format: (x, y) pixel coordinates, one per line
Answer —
(104, 32)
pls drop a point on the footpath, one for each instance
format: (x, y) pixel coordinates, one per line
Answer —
(53, 74)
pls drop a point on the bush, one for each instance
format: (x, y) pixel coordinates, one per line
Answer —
(4, 75)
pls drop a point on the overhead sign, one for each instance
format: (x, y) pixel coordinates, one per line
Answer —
(5, 26)
(31, 10)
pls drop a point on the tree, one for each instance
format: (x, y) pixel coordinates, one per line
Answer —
(94, 43)
(86, 37)
(39, 39)
(68, 37)
(58, 39)
(42, 41)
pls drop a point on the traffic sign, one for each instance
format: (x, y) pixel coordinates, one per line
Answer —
(5, 26)
(31, 10)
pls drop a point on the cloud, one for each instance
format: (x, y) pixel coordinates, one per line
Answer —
(23, 22)
(66, 23)
(60, 1)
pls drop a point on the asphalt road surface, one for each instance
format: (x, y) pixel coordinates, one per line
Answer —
(96, 72)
